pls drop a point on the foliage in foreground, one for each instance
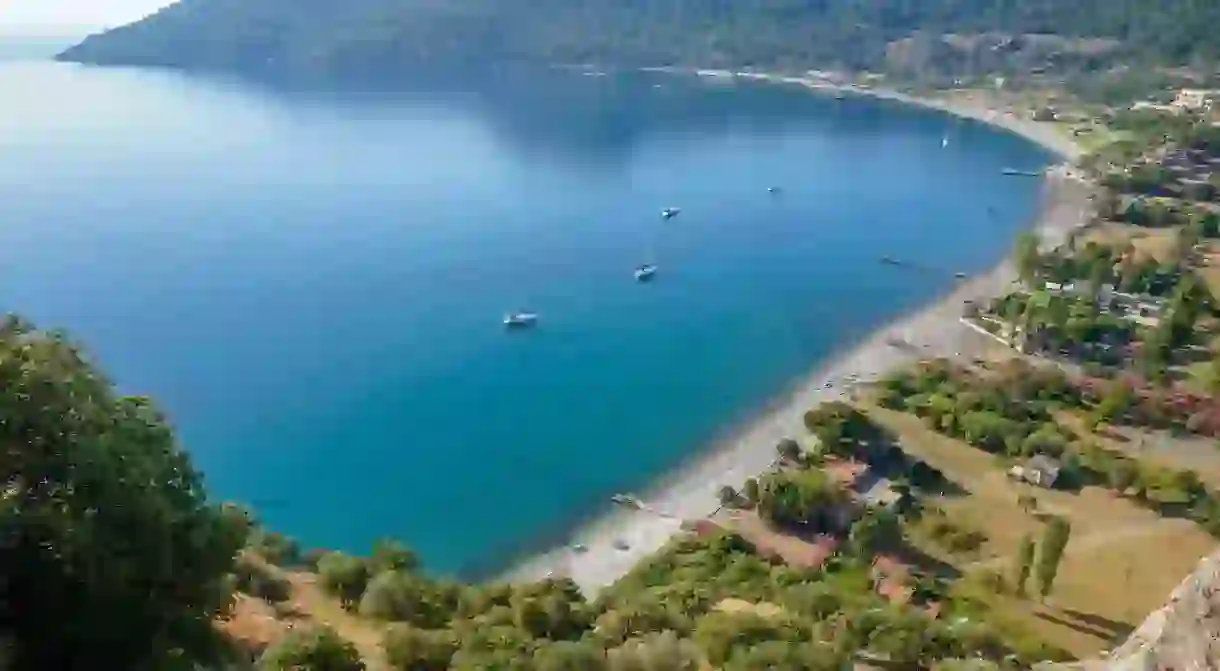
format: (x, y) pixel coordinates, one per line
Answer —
(111, 551)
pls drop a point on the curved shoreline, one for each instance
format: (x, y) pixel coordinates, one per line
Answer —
(691, 491)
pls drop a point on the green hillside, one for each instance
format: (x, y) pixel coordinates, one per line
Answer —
(384, 36)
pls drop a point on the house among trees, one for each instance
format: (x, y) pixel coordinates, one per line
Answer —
(1039, 470)
(863, 484)
(1194, 100)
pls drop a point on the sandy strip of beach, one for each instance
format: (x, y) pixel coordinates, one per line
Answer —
(612, 544)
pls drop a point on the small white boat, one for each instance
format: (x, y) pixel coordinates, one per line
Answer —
(944, 142)
(773, 189)
(628, 501)
(670, 212)
(645, 272)
(520, 319)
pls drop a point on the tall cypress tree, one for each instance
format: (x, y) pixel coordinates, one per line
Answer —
(1054, 541)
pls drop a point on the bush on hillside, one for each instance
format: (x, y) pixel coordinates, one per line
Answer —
(410, 649)
(344, 576)
(314, 649)
(276, 547)
(256, 578)
(390, 555)
(663, 650)
(402, 597)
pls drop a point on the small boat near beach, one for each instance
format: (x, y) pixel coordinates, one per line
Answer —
(645, 272)
(1020, 173)
(670, 212)
(520, 320)
(627, 500)
(944, 141)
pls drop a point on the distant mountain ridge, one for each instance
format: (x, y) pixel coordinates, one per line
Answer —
(384, 36)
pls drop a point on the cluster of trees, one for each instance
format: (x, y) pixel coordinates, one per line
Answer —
(1010, 414)
(1175, 329)
(803, 500)
(843, 431)
(665, 614)
(370, 37)
(1080, 324)
(1095, 264)
(829, 611)
(1162, 189)
(1053, 322)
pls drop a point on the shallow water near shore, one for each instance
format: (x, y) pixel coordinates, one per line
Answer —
(312, 283)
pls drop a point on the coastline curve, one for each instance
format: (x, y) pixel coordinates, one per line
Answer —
(617, 540)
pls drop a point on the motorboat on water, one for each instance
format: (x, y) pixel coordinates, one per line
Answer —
(670, 212)
(627, 500)
(773, 189)
(645, 272)
(520, 319)
(944, 141)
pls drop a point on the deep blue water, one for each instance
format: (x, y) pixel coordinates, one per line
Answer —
(311, 283)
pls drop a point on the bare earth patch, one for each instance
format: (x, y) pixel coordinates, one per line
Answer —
(1120, 562)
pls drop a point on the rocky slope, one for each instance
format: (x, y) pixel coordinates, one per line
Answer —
(1184, 635)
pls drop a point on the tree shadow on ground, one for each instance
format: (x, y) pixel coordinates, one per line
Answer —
(883, 452)
(913, 556)
(1110, 631)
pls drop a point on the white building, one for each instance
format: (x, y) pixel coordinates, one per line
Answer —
(1194, 100)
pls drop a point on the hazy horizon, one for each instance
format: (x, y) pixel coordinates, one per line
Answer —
(71, 18)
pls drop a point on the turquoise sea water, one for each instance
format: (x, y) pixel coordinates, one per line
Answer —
(312, 283)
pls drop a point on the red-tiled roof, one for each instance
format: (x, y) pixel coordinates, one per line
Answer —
(889, 565)
(894, 590)
(845, 473)
(703, 527)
